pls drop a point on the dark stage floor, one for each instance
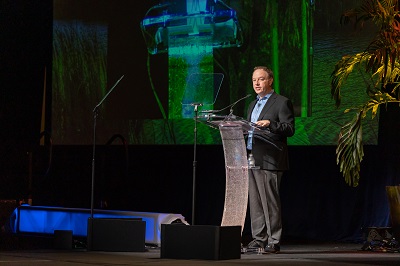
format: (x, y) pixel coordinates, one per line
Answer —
(291, 254)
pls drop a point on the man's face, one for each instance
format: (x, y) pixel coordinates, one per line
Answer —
(261, 82)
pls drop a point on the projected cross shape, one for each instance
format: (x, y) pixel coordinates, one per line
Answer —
(189, 30)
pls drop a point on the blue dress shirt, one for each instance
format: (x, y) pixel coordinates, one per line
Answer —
(255, 114)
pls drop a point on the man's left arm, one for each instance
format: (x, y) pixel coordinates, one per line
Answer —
(284, 125)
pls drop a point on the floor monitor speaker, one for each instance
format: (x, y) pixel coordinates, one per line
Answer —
(206, 242)
(116, 234)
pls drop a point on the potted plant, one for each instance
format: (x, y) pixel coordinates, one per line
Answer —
(380, 65)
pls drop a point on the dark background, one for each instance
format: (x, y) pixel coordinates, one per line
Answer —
(316, 202)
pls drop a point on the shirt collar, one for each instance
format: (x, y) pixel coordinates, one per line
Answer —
(266, 97)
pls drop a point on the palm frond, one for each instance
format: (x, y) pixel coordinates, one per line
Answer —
(386, 76)
(349, 151)
(380, 61)
(342, 70)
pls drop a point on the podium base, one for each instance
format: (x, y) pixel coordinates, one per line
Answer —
(200, 242)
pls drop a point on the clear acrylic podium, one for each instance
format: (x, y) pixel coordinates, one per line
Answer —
(232, 131)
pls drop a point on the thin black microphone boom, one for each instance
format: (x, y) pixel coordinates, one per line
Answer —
(231, 106)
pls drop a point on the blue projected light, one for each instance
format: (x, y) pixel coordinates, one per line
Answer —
(210, 23)
(45, 220)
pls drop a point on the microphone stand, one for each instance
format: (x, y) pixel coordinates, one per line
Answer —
(196, 105)
(95, 114)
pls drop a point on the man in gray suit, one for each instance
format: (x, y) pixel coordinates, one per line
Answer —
(274, 116)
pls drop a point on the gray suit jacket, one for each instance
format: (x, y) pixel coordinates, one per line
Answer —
(270, 145)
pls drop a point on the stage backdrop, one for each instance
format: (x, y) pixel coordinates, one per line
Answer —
(316, 202)
(169, 55)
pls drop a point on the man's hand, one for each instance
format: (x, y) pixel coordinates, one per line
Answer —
(263, 123)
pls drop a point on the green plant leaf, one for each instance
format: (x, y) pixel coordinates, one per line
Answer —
(379, 65)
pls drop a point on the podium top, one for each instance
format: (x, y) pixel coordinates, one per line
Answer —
(224, 121)
(217, 121)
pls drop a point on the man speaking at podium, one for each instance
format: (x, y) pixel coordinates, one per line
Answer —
(274, 115)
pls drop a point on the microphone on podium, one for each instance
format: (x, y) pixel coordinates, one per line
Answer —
(232, 105)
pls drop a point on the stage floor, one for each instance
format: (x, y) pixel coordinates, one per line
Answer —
(291, 254)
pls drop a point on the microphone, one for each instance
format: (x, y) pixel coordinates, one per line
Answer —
(102, 100)
(231, 105)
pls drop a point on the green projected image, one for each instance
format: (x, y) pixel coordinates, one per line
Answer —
(178, 55)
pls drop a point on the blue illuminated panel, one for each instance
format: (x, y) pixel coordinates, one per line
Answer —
(44, 220)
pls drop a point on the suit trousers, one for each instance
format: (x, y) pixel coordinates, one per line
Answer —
(265, 206)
